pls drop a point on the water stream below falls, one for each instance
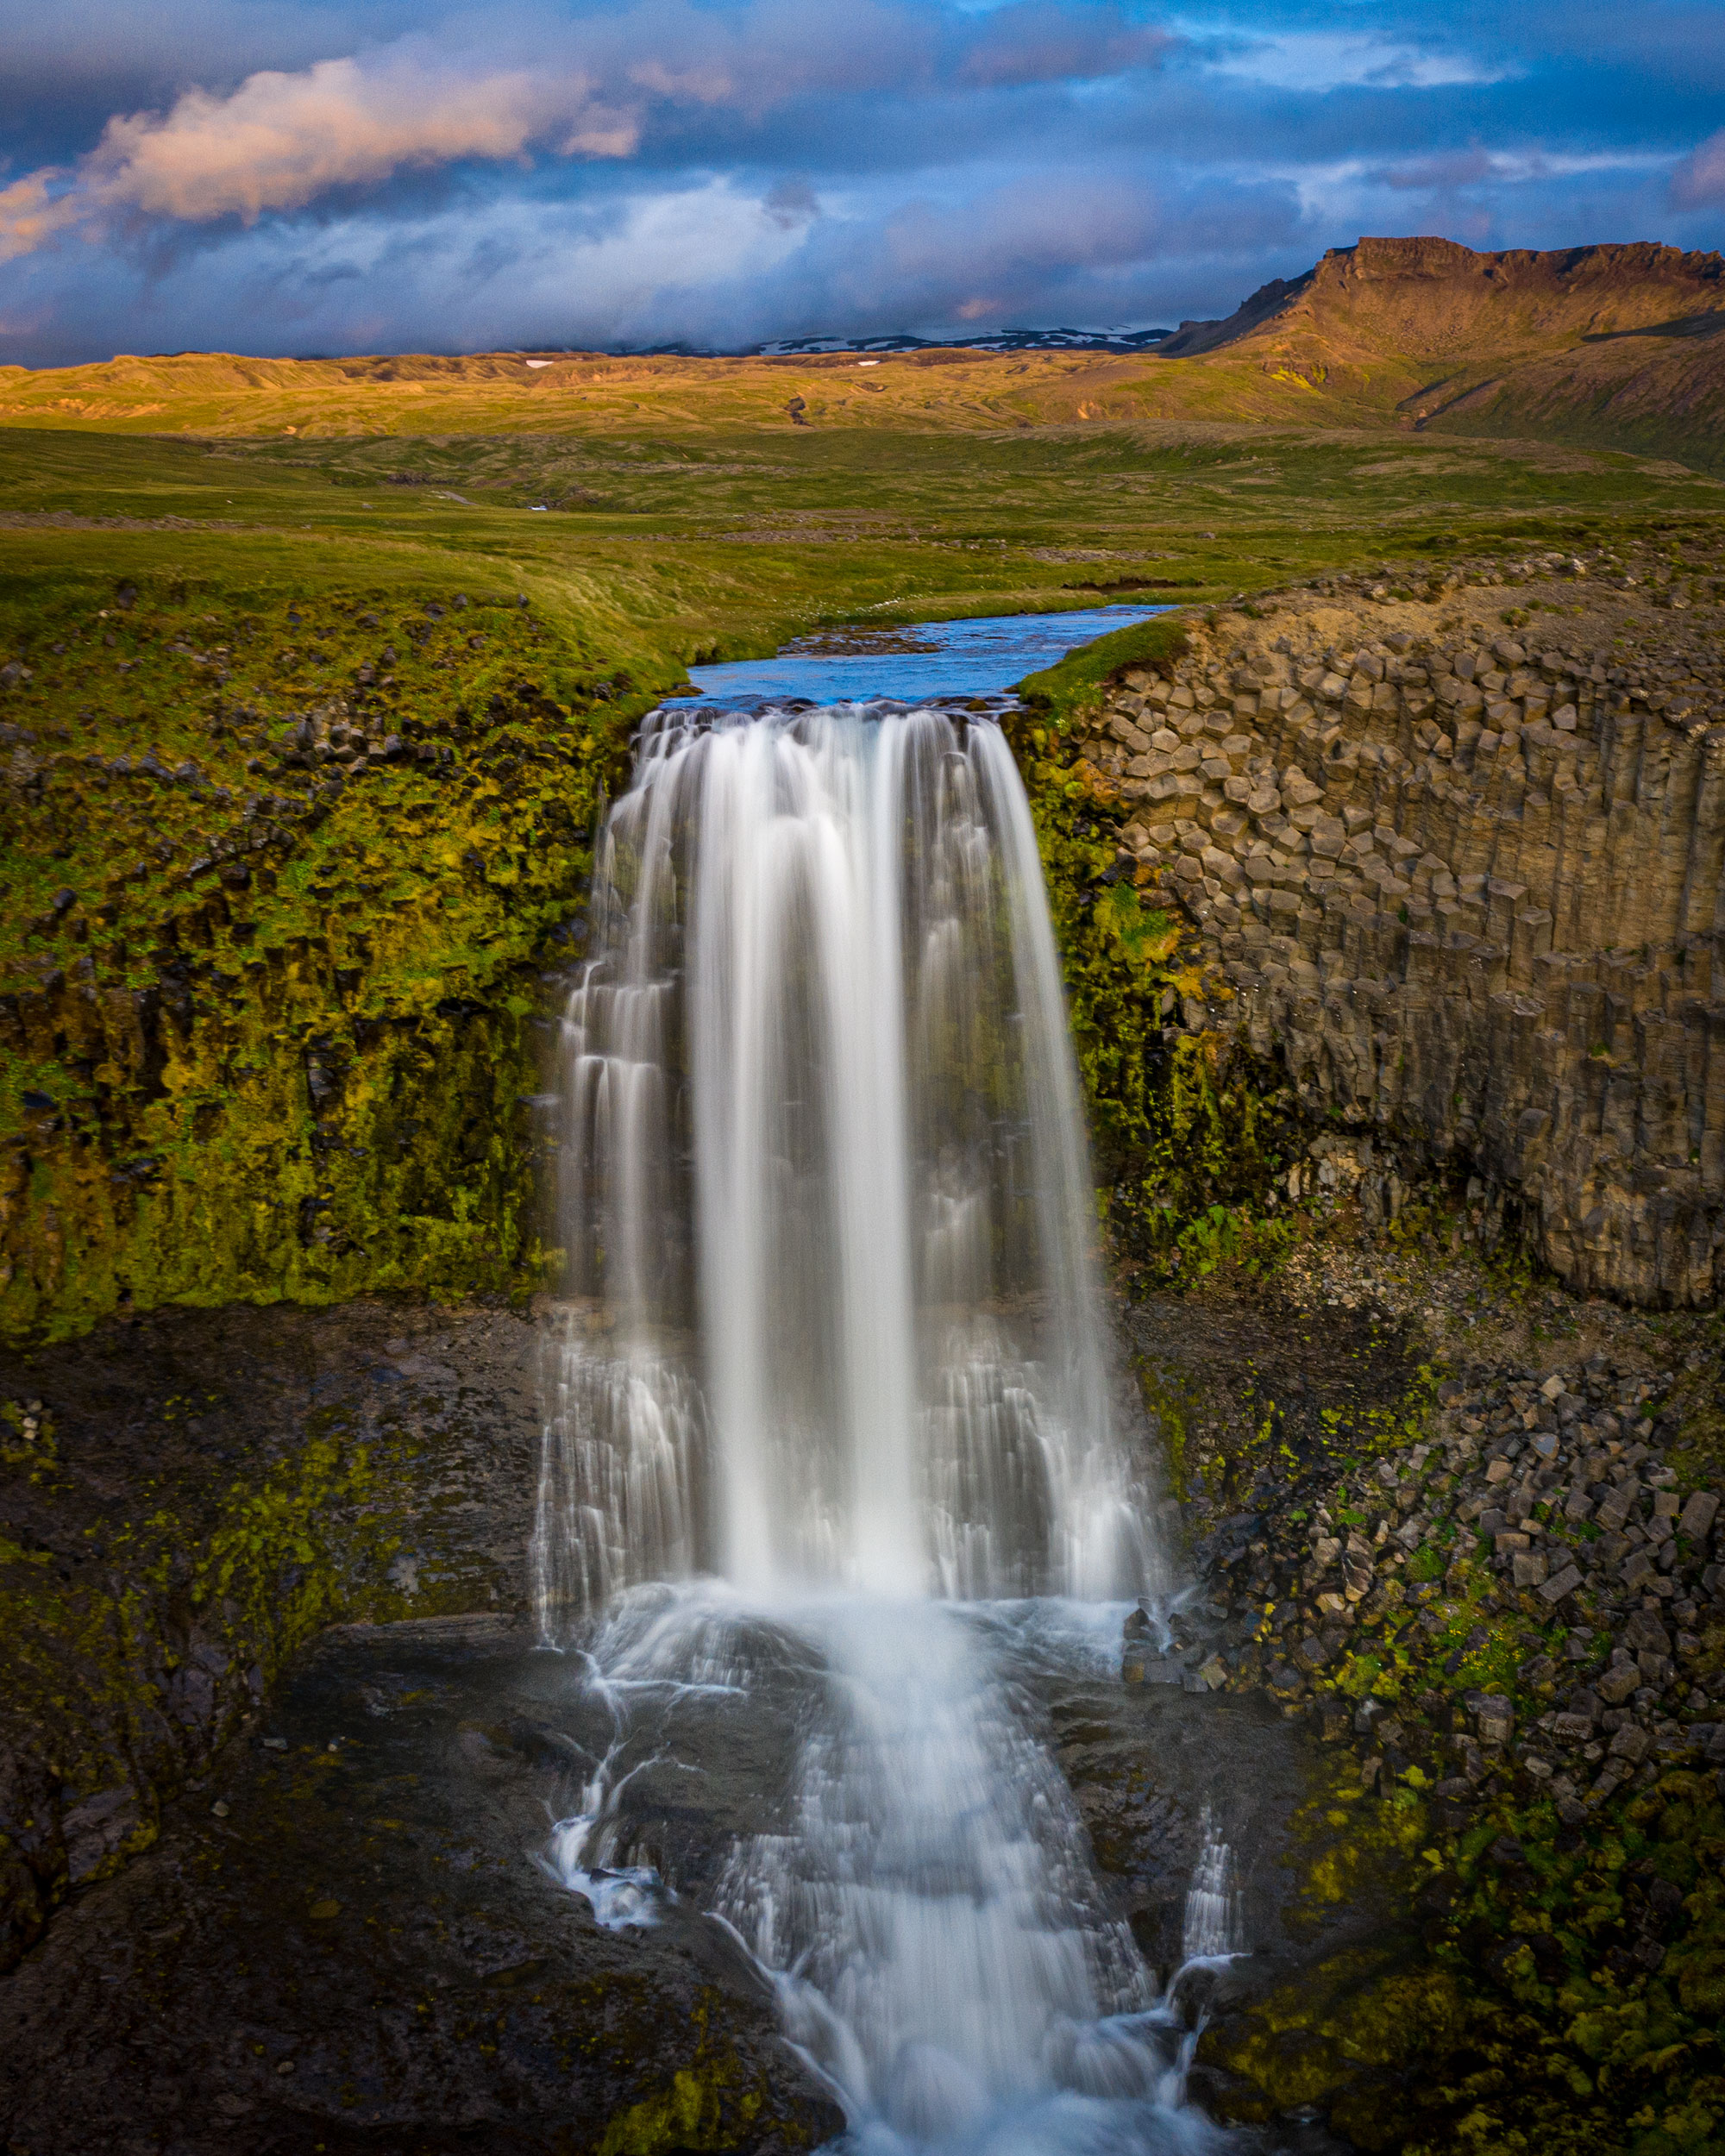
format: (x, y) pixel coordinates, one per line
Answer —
(836, 1440)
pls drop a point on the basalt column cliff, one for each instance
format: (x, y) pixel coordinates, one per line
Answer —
(1465, 879)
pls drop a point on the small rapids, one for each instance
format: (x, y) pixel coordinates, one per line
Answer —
(831, 1410)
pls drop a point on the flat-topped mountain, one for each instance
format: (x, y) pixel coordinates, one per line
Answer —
(1612, 344)
(1436, 296)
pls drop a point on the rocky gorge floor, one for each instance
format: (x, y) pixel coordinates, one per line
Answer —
(345, 1949)
(1462, 1527)
(1449, 1681)
(295, 1904)
(276, 1751)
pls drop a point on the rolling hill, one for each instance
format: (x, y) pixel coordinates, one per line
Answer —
(1606, 347)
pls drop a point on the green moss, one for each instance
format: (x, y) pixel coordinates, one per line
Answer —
(1185, 1125)
(1073, 688)
(264, 1036)
(1529, 2018)
(688, 2115)
(1169, 1397)
(1591, 2011)
(1332, 2036)
(1351, 2025)
(713, 2104)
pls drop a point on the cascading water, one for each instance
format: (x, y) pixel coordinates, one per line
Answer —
(826, 1187)
(835, 1337)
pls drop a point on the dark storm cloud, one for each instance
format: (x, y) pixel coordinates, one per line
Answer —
(279, 173)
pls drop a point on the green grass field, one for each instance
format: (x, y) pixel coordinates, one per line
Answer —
(671, 547)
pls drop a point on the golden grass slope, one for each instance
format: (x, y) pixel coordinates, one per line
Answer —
(1610, 346)
(220, 393)
(1613, 346)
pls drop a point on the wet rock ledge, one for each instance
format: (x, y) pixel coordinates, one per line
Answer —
(1492, 1585)
(186, 1501)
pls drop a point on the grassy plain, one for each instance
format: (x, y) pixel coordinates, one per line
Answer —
(690, 514)
(235, 971)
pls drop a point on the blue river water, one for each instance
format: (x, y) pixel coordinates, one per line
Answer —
(924, 663)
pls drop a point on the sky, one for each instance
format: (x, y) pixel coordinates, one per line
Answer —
(340, 176)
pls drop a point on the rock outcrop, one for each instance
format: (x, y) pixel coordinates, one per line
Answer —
(1607, 344)
(1465, 879)
(186, 1500)
(1433, 297)
(1499, 1602)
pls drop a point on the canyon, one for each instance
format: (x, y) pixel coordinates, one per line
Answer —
(1381, 864)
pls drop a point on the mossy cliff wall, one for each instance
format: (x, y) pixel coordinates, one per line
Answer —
(1186, 1122)
(279, 877)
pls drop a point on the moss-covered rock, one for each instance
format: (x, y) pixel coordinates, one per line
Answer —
(1343, 2038)
(1185, 1124)
(1369, 1555)
(279, 877)
(219, 1489)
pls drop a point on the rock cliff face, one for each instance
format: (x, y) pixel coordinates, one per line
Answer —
(1435, 297)
(1617, 344)
(1465, 879)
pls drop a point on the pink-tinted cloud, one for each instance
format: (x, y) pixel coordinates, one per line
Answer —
(31, 212)
(280, 141)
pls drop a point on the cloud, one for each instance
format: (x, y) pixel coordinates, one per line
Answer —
(791, 202)
(1041, 41)
(1322, 60)
(1455, 168)
(282, 140)
(697, 265)
(388, 174)
(279, 140)
(30, 214)
(1699, 181)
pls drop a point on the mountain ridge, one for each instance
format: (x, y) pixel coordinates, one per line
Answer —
(1611, 342)
(1637, 267)
(1609, 346)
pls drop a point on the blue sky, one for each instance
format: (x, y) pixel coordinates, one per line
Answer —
(300, 175)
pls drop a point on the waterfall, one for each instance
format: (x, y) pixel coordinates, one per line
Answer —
(933, 1900)
(833, 1357)
(825, 1197)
